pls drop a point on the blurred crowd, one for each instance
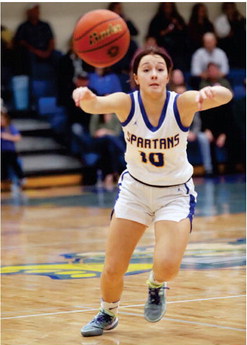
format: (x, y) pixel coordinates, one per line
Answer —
(38, 77)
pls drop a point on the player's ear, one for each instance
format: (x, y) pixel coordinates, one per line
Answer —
(135, 79)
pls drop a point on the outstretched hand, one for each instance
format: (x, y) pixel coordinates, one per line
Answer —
(205, 93)
(82, 94)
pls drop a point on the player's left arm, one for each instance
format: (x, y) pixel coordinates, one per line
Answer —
(209, 97)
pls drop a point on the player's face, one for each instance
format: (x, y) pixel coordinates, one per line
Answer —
(152, 74)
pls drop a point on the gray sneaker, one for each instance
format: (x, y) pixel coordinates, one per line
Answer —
(101, 322)
(155, 306)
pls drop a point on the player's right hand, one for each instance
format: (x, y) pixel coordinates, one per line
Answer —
(82, 94)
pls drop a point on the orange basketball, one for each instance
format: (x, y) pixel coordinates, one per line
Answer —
(101, 38)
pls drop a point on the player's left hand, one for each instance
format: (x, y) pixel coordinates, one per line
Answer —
(203, 94)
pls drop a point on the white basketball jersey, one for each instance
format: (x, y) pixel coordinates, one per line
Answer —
(156, 155)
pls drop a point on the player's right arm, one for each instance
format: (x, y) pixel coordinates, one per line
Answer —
(118, 103)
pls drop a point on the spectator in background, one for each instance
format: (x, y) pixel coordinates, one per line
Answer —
(206, 54)
(123, 66)
(213, 76)
(150, 41)
(108, 142)
(104, 81)
(7, 63)
(230, 28)
(169, 29)
(117, 7)
(177, 81)
(216, 122)
(198, 25)
(72, 72)
(35, 39)
(177, 84)
(10, 166)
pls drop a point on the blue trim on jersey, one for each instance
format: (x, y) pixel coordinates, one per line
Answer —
(162, 116)
(122, 177)
(192, 210)
(177, 116)
(192, 206)
(187, 189)
(132, 111)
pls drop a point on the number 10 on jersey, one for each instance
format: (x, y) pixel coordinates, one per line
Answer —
(156, 159)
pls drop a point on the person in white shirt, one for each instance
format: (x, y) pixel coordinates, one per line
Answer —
(209, 53)
(156, 187)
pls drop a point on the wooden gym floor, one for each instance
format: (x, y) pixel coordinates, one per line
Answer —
(52, 255)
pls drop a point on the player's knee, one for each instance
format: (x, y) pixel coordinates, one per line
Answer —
(113, 271)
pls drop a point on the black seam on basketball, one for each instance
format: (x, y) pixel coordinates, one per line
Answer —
(104, 45)
(85, 33)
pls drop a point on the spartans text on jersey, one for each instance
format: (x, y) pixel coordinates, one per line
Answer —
(160, 143)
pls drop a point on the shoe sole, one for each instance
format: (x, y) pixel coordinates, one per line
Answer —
(98, 331)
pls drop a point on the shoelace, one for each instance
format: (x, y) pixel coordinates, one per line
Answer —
(154, 294)
(103, 317)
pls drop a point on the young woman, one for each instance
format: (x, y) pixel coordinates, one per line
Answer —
(10, 166)
(157, 185)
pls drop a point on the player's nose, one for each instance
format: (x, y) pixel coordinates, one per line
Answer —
(154, 73)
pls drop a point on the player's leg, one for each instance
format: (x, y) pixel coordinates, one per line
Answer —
(122, 239)
(171, 239)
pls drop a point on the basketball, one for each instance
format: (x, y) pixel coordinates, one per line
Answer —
(101, 38)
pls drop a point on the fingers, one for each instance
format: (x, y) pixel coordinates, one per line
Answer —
(79, 94)
(203, 94)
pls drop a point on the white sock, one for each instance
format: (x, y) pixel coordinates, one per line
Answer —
(110, 308)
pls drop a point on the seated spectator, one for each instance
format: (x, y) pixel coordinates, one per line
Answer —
(198, 25)
(72, 73)
(169, 29)
(209, 53)
(213, 76)
(7, 63)
(149, 41)
(177, 84)
(117, 7)
(108, 142)
(104, 81)
(216, 122)
(10, 166)
(122, 67)
(177, 80)
(230, 28)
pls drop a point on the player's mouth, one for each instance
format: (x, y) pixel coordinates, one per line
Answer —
(154, 84)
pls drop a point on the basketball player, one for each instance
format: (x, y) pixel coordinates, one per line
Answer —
(157, 185)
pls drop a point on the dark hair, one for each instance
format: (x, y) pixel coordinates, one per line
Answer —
(225, 5)
(212, 64)
(174, 12)
(112, 5)
(152, 51)
(195, 10)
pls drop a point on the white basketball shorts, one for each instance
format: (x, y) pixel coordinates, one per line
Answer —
(146, 204)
